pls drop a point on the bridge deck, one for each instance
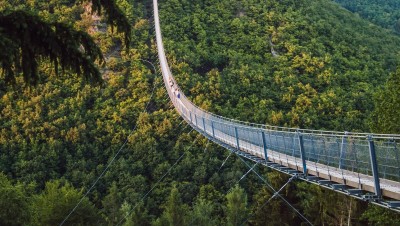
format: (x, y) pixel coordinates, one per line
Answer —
(343, 158)
(390, 189)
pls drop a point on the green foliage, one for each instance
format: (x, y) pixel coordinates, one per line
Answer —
(308, 64)
(27, 39)
(111, 206)
(276, 212)
(236, 207)
(14, 202)
(328, 207)
(384, 13)
(32, 38)
(379, 216)
(299, 63)
(201, 214)
(114, 16)
(55, 203)
(138, 216)
(175, 211)
(386, 118)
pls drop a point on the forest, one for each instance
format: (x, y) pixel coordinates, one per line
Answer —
(298, 63)
(383, 13)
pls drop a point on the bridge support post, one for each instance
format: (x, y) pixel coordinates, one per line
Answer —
(264, 145)
(302, 153)
(343, 150)
(237, 138)
(374, 166)
(212, 128)
(204, 125)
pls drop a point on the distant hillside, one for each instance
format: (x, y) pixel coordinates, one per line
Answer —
(303, 63)
(384, 13)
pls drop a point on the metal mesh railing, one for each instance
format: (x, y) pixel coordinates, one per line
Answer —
(331, 151)
(344, 152)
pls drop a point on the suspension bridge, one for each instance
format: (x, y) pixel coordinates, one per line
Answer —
(362, 165)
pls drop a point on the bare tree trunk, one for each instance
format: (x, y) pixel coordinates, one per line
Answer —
(349, 216)
(341, 219)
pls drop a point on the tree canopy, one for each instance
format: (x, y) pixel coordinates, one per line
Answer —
(384, 13)
(26, 39)
(303, 63)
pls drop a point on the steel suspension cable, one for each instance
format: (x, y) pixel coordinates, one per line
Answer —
(272, 197)
(111, 162)
(241, 178)
(223, 163)
(161, 178)
(272, 188)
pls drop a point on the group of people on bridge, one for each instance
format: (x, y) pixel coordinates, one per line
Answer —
(174, 88)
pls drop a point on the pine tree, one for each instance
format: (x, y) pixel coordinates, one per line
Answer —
(236, 208)
(174, 209)
(55, 203)
(385, 118)
(26, 39)
(201, 214)
(14, 203)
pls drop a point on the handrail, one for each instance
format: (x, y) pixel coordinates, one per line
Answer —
(367, 154)
(166, 71)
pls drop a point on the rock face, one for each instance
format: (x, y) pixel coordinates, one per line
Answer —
(273, 52)
(95, 20)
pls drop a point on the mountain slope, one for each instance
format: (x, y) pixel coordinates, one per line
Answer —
(295, 63)
(383, 13)
(281, 62)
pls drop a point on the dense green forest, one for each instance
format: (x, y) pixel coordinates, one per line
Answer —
(324, 71)
(384, 13)
(300, 63)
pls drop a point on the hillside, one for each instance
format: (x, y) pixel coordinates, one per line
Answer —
(383, 13)
(306, 63)
(328, 67)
